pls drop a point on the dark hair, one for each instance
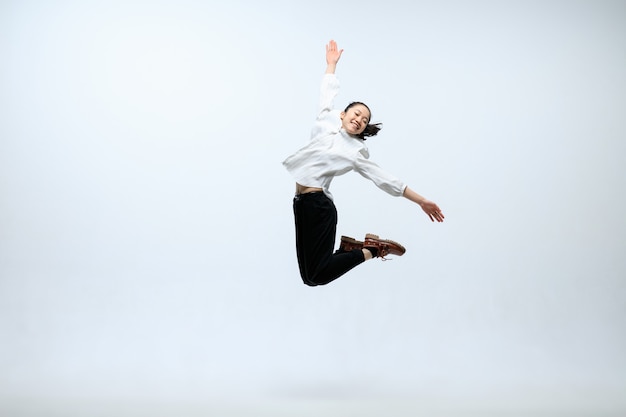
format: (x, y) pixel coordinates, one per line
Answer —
(371, 129)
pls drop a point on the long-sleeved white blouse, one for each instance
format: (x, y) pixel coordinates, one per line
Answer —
(332, 151)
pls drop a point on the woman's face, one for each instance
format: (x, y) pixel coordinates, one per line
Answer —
(355, 119)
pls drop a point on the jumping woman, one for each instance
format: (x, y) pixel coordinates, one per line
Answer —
(337, 146)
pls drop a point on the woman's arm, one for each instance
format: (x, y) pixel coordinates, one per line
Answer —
(430, 208)
(326, 120)
(395, 186)
(332, 57)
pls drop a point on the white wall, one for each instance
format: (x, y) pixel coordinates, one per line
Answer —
(147, 255)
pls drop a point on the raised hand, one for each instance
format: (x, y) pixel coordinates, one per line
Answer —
(332, 56)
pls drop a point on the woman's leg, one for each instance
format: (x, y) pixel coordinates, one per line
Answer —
(316, 223)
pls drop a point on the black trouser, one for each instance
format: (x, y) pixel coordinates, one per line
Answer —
(316, 225)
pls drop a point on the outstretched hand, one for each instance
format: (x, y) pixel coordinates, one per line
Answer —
(433, 211)
(332, 53)
(430, 208)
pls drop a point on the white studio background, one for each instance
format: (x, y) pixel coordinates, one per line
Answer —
(147, 259)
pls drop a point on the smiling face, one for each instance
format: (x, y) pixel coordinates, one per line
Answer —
(355, 119)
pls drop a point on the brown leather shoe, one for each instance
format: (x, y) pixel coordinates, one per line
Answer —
(383, 246)
(348, 243)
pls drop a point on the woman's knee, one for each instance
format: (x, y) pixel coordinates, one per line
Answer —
(314, 280)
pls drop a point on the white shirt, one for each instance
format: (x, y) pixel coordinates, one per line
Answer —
(332, 151)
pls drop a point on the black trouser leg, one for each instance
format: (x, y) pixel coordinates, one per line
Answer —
(316, 225)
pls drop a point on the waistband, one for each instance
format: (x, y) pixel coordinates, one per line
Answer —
(312, 194)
